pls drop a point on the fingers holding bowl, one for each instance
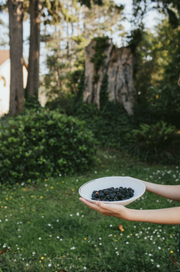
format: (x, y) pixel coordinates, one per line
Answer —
(94, 205)
(105, 209)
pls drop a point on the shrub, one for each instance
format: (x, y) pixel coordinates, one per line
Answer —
(44, 143)
(65, 103)
(31, 102)
(157, 142)
(111, 125)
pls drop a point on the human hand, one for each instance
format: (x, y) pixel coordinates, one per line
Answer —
(106, 209)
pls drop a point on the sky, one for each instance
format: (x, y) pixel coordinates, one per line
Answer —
(150, 21)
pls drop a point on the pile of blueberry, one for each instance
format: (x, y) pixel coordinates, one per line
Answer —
(113, 194)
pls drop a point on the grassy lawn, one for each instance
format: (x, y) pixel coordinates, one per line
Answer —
(47, 228)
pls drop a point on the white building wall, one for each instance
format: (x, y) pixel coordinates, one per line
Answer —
(25, 75)
(5, 90)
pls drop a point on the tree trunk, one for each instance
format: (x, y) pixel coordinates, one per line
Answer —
(118, 65)
(34, 49)
(16, 48)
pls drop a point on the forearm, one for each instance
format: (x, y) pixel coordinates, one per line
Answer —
(160, 216)
(169, 216)
(168, 191)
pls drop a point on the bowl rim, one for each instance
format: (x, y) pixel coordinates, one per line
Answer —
(114, 202)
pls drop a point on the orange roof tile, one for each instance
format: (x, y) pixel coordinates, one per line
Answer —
(4, 55)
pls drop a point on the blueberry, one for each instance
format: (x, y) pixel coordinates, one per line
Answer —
(131, 194)
(112, 194)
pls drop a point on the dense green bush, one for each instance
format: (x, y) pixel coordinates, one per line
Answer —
(65, 103)
(44, 143)
(31, 102)
(111, 125)
(142, 134)
(158, 142)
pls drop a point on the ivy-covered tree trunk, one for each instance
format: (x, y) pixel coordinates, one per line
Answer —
(34, 50)
(117, 63)
(16, 47)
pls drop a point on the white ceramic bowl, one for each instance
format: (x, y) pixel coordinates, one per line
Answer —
(87, 188)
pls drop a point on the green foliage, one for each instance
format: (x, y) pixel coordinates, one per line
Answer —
(135, 38)
(111, 125)
(143, 113)
(80, 89)
(173, 20)
(156, 72)
(99, 56)
(31, 102)
(157, 142)
(104, 96)
(73, 80)
(88, 3)
(63, 77)
(164, 95)
(148, 67)
(165, 103)
(169, 92)
(68, 103)
(64, 103)
(55, 81)
(44, 143)
(95, 78)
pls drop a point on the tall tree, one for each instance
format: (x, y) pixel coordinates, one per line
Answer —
(34, 49)
(55, 9)
(67, 62)
(16, 48)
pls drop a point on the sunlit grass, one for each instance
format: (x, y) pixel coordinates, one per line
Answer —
(47, 228)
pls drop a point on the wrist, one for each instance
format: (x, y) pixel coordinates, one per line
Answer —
(134, 215)
(124, 213)
(128, 214)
